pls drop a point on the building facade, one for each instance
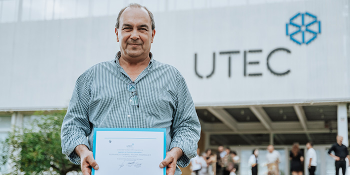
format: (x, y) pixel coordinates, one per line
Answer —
(260, 71)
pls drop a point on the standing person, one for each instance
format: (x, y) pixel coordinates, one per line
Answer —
(196, 163)
(227, 162)
(219, 155)
(296, 157)
(203, 162)
(341, 152)
(132, 91)
(211, 159)
(253, 161)
(273, 158)
(311, 158)
(236, 161)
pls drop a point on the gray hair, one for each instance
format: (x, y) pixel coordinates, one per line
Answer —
(135, 5)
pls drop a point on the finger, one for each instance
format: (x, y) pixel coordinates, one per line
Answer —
(85, 169)
(171, 169)
(166, 162)
(90, 159)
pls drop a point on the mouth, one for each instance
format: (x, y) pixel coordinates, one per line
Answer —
(134, 45)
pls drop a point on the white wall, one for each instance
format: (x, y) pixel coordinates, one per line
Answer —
(40, 60)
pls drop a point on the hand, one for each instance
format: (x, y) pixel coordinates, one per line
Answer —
(170, 160)
(309, 166)
(336, 158)
(87, 159)
(253, 165)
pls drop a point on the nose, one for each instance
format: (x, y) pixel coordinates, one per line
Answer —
(134, 35)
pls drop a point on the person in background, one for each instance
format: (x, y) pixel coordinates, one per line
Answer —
(227, 162)
(341, 152)
(253, 161)
(273, 158)
(236, 161)
(195, 163)
(311, 158)
(204, 165)
(219, 155)
(211, 160)
(296, 157)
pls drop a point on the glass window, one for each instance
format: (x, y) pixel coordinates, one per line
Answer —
(26, 10)
(183, 5)
(82, 8)
(5, 122)
(49, 9)
(115, 7)
(245, 167)
(237, 2)
(37, 10)
(9, 10)
(67, 9)
(199, 4)
(100, 7)
(219, 3)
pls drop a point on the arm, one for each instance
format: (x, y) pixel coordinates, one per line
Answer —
(310, 163)
(76, 125)
(185, 127)
(333, 156)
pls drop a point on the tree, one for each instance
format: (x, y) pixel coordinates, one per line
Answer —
(37, 149)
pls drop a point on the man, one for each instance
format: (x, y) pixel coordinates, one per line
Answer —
(341, 152)
(311, 158)
(132, 91)
(273, 158)
(196, 165)
(227, 162)
(220, 154)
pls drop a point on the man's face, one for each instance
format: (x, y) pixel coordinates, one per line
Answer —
(308, 146)
(339, 139)
(270, 148)
(135, 32)
(221, 149)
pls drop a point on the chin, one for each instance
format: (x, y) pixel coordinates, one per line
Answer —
(134, 53)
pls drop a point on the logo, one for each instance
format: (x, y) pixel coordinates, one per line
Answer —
(303, 28)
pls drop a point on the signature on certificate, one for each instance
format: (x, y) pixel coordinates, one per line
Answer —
(129, 164)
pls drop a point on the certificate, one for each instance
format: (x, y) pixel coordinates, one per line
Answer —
(129, 151)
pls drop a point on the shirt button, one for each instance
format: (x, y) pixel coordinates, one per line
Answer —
(129, 115)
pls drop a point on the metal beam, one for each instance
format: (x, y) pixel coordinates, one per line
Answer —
(262, 116)
(225, 117)
(275, 132)
(302, 118)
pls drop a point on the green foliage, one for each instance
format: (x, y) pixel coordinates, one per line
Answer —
(37, 149)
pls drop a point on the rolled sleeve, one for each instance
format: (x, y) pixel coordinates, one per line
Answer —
(76, 126)
(331, 149)
(186, 127)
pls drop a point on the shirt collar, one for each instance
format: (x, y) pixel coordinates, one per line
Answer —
(118, 55)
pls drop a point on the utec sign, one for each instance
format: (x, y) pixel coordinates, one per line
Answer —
(246, 63)
(299, 21)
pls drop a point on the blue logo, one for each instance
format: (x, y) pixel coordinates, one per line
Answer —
(307, 28)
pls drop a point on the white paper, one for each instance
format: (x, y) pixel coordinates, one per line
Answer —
(129, 152)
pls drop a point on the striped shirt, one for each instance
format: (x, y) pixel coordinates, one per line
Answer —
(101, 100)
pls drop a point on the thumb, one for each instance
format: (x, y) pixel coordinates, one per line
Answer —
(92, 162)
(166, 162)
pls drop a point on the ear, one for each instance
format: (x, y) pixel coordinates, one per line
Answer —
(116, 33)
(153, 34)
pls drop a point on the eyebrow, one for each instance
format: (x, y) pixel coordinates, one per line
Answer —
(140, 26)
(144, 25)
